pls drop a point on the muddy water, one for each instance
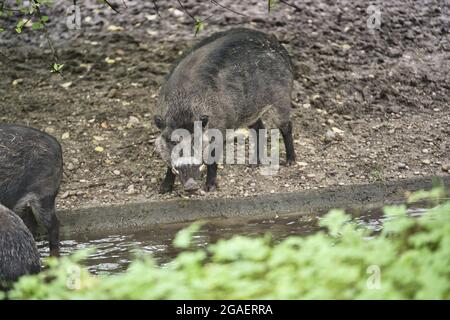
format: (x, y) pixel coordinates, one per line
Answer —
(114, 252)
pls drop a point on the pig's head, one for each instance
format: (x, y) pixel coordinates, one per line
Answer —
(176, 146)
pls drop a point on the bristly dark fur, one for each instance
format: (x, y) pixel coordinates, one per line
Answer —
(231, 78)
(18, 253)
(30, 174)
(252, 40)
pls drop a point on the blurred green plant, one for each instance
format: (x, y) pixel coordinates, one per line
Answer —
(411, 254)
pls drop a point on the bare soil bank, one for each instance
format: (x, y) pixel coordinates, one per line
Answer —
(386, 93)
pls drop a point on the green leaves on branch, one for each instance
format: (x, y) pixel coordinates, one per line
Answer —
(199, 25)
(183, 239)
(20, 25)
(408, 259)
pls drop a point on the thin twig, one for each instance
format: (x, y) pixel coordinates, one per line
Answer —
(187, 12)
(226, 8)
(155, 5)
(46, 35)
(111, 6)
(290, 5)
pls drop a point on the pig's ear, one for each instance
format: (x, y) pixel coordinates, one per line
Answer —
(204, 119)
(160, 123)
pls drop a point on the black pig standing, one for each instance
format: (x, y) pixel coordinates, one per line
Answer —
(30, 176)
(226, 81)
(18, 252)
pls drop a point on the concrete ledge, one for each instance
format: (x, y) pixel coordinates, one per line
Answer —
(138, 216)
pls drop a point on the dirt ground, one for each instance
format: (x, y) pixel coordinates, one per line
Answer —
(369, 104)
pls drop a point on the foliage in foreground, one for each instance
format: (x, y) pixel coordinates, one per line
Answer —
(412, 256)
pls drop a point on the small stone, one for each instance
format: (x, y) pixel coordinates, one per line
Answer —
(177, 13)
(330, 136)
(108, 60)
(65, 195)
(130, 189)
(65, 136)
(426, 161)
(151, 17)
(66, 85)
(425, 151)
(99, 138)
(99, 149)
(337, 130)
(402, 166)
(133, 120)
(16, 82)
(446, 167)
(70, 166)
(330, 122)
(112, 93)
(114, 28)
(49, 130)
(311, 175)
(116, 172)
(306, 105)
(153, 180)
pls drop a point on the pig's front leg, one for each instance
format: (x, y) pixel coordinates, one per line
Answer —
(169, 180)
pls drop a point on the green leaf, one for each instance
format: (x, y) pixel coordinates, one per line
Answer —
(184, 237)
(334, 221)
(56, 67)
(433, 194)
(199, 25)
(20, 25)
(37, 26)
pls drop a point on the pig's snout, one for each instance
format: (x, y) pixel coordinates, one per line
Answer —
(191, 185)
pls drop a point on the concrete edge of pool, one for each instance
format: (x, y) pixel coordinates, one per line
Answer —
(137, 216)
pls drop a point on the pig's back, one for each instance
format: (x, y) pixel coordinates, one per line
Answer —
(233, 53)
(26, 154)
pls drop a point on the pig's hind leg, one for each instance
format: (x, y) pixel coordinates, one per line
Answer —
(284, 123)
(44, 210)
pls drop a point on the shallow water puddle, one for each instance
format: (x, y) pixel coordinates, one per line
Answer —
(115, 252)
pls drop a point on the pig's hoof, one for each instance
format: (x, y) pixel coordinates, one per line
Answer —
(290, 162)
(210, 188)
(165, 189)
